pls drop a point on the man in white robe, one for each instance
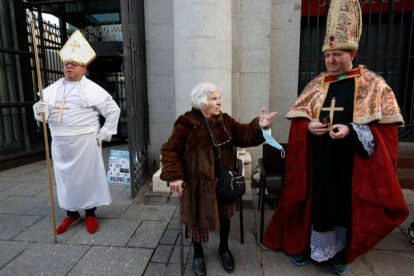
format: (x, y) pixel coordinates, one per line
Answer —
(72, 106)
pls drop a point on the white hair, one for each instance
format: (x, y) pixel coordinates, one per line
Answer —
(199, 94)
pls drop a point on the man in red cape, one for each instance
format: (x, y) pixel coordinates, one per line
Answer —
(341, 194)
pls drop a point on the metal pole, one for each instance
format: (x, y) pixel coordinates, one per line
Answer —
(39, 84)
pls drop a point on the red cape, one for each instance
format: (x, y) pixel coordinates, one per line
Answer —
(378, 205)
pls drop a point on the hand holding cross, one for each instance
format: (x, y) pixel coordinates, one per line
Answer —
(332, 109)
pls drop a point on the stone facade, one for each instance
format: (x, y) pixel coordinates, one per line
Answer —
(250, 48)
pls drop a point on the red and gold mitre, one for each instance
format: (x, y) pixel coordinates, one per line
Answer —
(343, 25)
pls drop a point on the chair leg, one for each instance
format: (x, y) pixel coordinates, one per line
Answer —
(262, 203)
(260, 194)
(241, 220)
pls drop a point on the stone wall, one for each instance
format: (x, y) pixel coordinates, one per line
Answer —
(250, 48)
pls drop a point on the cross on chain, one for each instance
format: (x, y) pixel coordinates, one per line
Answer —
(332, 109)
(61, 106)
(75, 44)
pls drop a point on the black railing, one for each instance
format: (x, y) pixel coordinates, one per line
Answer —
(19, 135)
(21, 138)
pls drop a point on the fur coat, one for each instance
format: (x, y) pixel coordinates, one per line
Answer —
(188, 155)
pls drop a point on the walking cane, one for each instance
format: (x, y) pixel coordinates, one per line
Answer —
(39, 84)
(181, 237)
(180, 231)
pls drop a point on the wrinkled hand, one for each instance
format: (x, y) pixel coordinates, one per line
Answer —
(177, 186)
(265, 119)
(338, 131)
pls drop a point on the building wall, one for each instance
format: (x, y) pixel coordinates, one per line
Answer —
(159, 33)
(252, 55)
(284, 62)
(202, 40)
(251, 60)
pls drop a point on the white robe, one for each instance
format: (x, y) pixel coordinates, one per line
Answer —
(77, 158)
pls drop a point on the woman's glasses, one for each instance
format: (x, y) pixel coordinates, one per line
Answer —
(223, 143)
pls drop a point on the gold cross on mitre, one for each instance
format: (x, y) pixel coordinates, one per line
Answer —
(75, 44)
(332, 109)
(61, 106)
(78, 49)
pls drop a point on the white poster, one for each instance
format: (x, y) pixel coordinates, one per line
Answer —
(118, 167)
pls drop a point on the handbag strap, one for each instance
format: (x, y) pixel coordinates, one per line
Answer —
(216, 154)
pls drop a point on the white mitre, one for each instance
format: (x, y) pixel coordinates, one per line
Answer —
(77, 49)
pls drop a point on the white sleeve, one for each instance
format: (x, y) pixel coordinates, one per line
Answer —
(110, 111)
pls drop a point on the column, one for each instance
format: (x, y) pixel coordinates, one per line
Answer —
(202, 48)
(284, 63)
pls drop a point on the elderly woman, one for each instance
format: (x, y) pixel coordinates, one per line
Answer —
(188, 157)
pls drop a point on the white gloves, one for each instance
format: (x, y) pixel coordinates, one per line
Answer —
(39, 108)
(102, 135)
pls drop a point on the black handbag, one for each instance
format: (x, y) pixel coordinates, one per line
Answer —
(231, 184)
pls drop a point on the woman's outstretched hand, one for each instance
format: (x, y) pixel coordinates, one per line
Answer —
(265, 119)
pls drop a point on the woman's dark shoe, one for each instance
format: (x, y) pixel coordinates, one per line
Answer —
(199, 267)
(227, 261)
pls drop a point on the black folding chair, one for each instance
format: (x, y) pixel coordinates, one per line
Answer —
(272, 172)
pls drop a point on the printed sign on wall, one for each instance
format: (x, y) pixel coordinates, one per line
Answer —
(118, 167)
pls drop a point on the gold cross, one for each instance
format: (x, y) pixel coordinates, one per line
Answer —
(61, 106)
(332, 109)
(75, 44)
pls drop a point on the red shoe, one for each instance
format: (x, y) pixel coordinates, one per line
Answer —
(92, 224)
(67, 223)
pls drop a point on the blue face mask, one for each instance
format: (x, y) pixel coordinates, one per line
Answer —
(271, 141)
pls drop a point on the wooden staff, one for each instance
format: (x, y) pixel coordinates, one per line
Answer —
(45, 136)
